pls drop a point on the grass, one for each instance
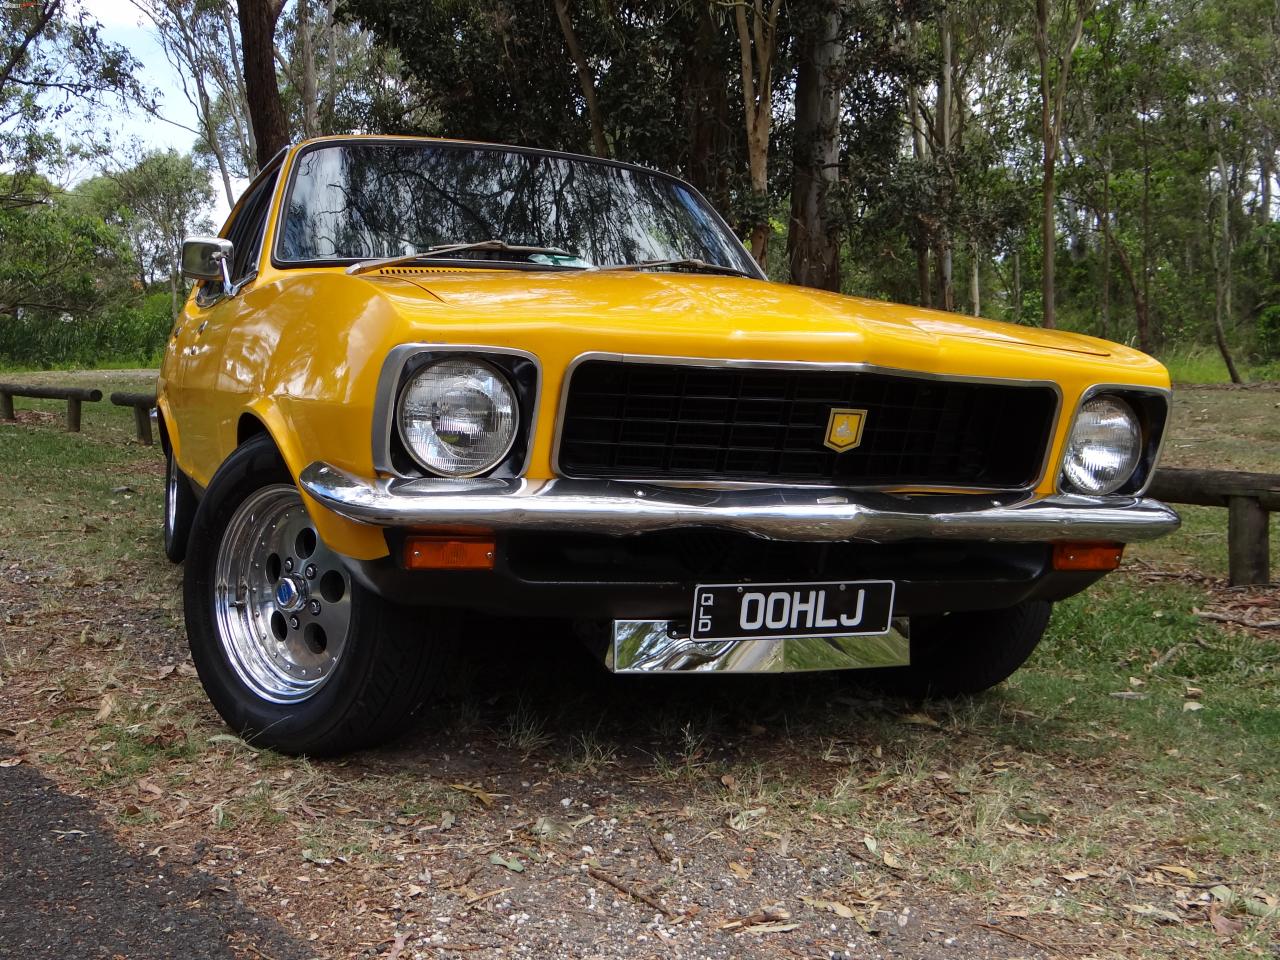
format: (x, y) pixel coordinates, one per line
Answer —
(1051, 800)
(1204, 364)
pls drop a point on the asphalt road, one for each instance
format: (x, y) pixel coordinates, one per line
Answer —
(68, 889)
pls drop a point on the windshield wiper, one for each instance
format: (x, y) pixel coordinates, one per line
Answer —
(445, 249)
(691, 263)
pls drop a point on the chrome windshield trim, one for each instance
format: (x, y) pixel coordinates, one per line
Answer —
(387, 397)
(848, 367)
(1121, 388)
(800, 514)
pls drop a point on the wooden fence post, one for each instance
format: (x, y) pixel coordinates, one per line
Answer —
(142, 404)
(73, 414)
(1248, 541)
(1250, 499)
(6, 406)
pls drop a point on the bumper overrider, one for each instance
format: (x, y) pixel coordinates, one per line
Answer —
(811, 514)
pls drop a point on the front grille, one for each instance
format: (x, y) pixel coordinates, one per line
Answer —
(767, 424)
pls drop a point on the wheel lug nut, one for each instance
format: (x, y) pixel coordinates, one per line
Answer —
(288, 563)
(314, 607)
(294, 622)
(311, 571)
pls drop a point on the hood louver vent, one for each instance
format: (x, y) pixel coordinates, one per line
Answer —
(418, 271)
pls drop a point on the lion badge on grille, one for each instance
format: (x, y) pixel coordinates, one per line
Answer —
(844, 429)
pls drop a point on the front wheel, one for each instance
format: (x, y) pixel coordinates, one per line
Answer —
(961, 654)
(294, 653)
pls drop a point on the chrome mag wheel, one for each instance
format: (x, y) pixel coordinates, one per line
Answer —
(282, 599)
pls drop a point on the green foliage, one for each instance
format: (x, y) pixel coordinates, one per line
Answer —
(154, 204)
(91, 276)
(131, 332)
(1269, 332)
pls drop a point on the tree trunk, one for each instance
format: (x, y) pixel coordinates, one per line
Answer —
(919, 149)
(327, 118)
(586, 79)
(1144, 334)
(942, 116)
(307, 51)
(813, 243)
(1141, 314)
(266, 109)
(756, 44)
(1222, 268)
(1105, 215)
(1053, 92)
(1048, 235)
(1017, 285)
(705, 86)
(975, 280)
(235, 87)
(1266, 174)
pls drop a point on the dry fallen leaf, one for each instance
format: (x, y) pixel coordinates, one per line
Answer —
(1223, 926)
(831, 906)
(729, 780)
(890, 861)
(105, 707)
(1146, 910)
(10, 761)
(739, 870)
(484, 797)
(770, 927)
(1075, 876)
(1189, 706)
(1179, 871)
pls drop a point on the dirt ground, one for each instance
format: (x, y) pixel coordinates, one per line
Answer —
(1118, 798)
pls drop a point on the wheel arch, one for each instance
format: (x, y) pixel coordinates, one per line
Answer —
(355, 540)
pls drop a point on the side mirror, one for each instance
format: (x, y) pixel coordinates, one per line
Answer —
(207, 258)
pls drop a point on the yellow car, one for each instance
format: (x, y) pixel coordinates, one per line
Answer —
(420, 378)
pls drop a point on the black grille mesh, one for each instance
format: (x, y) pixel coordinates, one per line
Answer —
(681, 421)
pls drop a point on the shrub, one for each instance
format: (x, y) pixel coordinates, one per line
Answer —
(1269, 332)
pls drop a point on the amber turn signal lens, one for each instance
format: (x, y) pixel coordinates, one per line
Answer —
(448, 553)
(1087, 556)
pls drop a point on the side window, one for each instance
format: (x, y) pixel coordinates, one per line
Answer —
(246, 232)
(245, 235)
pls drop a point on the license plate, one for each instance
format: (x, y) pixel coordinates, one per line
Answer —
(735, 611)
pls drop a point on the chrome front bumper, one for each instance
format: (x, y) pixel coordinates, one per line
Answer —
(773, 513)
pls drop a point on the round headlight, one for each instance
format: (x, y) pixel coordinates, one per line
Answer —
(1104, 447)
(458, 417)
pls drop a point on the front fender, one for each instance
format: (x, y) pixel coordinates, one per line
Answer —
(353, 539)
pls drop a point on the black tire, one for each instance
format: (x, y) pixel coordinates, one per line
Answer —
(179, 509)
(962, 654)
(390, 661)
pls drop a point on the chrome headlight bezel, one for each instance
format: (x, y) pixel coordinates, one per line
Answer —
(1149, 409)
(522, 372)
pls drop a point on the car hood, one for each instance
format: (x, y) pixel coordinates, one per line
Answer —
(732, 308)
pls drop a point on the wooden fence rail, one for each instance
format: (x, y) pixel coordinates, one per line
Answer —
(73, 395)
(143, 404)
(1249, 498)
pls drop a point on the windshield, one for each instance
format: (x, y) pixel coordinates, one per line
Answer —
(365, 200)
